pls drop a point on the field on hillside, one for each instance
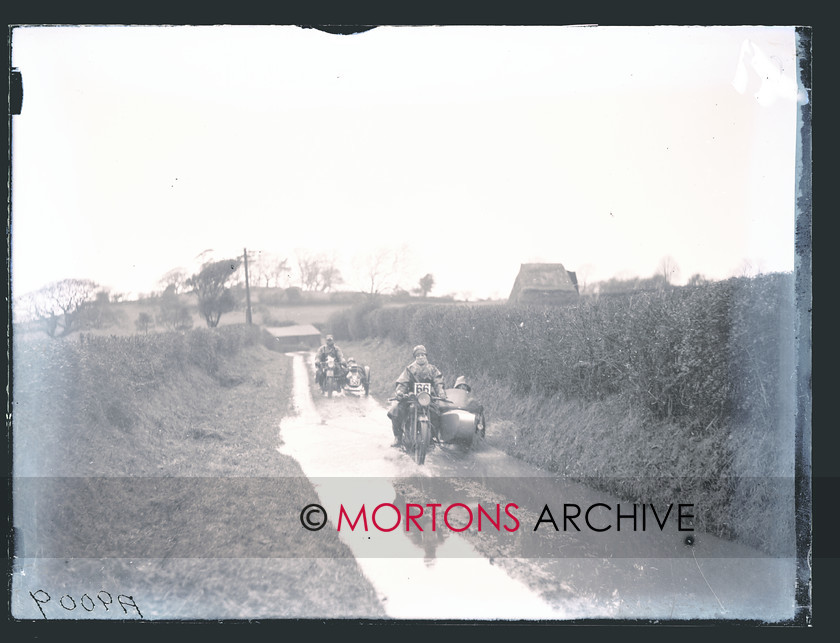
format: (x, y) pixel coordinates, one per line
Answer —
(270, 307)
(122, 316)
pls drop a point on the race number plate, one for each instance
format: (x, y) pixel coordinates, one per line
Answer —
(330, 372)
(422, 387)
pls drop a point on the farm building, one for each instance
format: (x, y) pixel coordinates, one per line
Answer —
(544, 283)
(298, 337)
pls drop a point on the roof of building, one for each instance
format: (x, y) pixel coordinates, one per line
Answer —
(543, 280)
(298, 330)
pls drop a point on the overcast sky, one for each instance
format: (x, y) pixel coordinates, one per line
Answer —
(470, 149)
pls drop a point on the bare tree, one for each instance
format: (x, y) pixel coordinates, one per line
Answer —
(318, 272)
(175, 279)
(210, 286)
(330, 276)
(278, 269)
(668, 269)
(379, 270)
(310, 271)
(583, 278)
(257, 267)
(749, 268)
(268, 269)
(57, 306)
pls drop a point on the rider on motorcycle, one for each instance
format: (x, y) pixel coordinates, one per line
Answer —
(418, 371)
(330, 348)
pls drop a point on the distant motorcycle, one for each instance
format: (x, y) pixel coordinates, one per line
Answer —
(330, 376)
(357, 379)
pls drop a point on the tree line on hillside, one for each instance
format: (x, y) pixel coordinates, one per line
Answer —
(63, 307)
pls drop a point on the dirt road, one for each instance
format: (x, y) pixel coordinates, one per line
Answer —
(610, 561)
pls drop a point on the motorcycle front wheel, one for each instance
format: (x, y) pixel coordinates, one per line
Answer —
(423, 437)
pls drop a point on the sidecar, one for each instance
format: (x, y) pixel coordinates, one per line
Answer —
(458, 425)
(357, 380)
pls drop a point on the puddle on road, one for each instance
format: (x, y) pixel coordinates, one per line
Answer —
(343, 447)
(349, 438)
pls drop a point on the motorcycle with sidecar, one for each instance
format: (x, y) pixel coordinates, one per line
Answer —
(357, 379)
(439, 423)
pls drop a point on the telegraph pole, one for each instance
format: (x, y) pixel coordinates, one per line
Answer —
(247, 289)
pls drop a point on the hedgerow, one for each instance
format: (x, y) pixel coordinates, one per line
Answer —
(694, 355)
(653, 396)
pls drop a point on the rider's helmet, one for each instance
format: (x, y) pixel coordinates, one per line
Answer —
(330, 340)
(419, 349)
(461, 382)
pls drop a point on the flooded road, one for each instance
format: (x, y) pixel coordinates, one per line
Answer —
(446, 564)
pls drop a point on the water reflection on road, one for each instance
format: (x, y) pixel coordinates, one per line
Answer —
(343, 447)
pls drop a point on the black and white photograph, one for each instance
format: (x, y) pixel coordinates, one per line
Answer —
(479, 324)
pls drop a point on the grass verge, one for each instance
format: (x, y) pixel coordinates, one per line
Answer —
(735, 475)
(149, 467)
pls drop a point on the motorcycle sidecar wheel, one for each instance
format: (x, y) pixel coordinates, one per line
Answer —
(480, 425)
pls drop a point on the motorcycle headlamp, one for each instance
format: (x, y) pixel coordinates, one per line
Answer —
(424, 399)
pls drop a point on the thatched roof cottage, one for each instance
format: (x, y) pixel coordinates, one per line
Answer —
(544, 283)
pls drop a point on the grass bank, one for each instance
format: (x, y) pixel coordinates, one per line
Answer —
(148, 466)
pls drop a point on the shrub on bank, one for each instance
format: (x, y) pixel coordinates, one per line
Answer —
(353, 323)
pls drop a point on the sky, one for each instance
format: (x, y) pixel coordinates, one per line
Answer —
(465, 151)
